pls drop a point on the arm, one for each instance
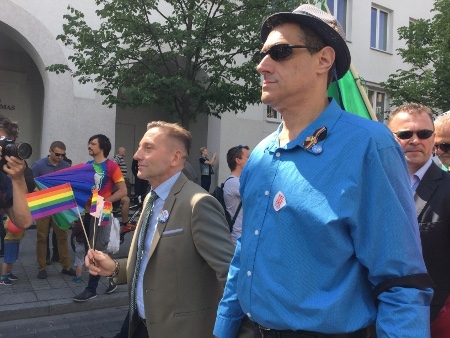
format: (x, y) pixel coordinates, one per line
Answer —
(19, 213)
(229, 313)
(387, 242)
(119, 193)
(100, 264)
(212, 161)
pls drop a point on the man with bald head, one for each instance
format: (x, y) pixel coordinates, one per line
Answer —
(181, 250)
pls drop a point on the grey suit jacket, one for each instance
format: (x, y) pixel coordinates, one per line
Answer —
(432, 199)
(188, 264)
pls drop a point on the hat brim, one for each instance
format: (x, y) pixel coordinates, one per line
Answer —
(329, 36)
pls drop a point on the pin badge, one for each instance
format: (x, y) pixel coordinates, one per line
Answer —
(279, 201)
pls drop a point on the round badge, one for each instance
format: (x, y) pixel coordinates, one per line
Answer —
(316, 149)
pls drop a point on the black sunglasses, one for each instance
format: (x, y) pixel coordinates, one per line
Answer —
(281, 51)
(445, 147)
(58, 154)
(422, 134)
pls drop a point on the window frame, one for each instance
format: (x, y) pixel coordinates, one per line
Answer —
(375, 40)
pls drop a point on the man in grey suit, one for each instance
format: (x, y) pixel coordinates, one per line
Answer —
(176, 279)
(412, 125)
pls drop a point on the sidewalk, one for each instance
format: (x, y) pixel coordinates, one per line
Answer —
(31, 297)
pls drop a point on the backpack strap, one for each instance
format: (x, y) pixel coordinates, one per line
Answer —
(237, 212)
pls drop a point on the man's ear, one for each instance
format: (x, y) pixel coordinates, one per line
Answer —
(326, 57)
(176, 158)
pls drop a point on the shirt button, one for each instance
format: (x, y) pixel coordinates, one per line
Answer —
(277, 154)
(249, 273)
(256, 232)
(266, 192)
(249, 314)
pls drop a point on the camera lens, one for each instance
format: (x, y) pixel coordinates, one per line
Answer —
(23, 150)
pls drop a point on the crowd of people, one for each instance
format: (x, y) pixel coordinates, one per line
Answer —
(342, 224)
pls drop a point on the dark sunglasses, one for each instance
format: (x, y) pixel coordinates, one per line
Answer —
(407, 134)
(58, 154)
(445, 147)
(281, 51)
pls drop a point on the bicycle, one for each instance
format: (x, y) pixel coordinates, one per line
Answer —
(131, 224)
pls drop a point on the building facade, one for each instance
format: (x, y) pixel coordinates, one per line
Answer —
(52, 107)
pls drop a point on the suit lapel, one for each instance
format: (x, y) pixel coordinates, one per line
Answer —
(168, 205)
(427, 187)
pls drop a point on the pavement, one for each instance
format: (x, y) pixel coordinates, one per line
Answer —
(31, 297)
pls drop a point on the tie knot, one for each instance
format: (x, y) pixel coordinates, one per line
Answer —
(153, 197)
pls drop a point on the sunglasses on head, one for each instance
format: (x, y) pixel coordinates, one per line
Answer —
(237, 149)
(445, 147)
(422, 134)
(281, 51)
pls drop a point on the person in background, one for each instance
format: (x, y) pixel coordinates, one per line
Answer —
(236, 158)
(49, 164)
(442, 139)
(13, 183)
(111, 186)
(330, 244)
(124, 201)
(140, 186)
(12, 244)
(206, 168)
(413, 127)
(78, 240)
(179, 257)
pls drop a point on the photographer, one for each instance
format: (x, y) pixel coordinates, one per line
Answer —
(12, 181)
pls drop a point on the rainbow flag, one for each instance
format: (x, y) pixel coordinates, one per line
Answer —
(106, 213)
(94, 201)
(51, 201)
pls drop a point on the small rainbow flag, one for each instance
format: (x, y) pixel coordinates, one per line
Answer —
(51, 201)
(94, 201)
(106, 213)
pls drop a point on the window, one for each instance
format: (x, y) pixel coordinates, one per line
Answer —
(272, 115)
(339, 9)
(378, 101)
(379, 29)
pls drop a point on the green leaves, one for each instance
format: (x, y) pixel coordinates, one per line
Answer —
(427, 53)
(189, 57)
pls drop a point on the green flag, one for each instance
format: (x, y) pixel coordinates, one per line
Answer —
(353, 97)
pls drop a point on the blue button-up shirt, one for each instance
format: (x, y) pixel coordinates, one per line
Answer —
(322, 227)
(162, 191)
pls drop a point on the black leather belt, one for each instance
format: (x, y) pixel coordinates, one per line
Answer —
(270, 333)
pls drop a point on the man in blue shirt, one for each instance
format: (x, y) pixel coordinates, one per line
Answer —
(46, 165)
(330, 244)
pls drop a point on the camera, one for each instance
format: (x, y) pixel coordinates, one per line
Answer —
(20, 150)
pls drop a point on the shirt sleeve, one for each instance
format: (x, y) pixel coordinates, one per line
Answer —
(229, 313)
(388, 244)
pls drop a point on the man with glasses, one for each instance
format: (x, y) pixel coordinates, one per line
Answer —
(51, 163)
(412, 125)
(330, 245)
(442, 140)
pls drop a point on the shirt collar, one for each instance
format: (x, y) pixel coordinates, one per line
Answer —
(419, 173)
(327, 118)
(164, 188)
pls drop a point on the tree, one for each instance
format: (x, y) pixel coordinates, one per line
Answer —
(428, 52)
(189, 57)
